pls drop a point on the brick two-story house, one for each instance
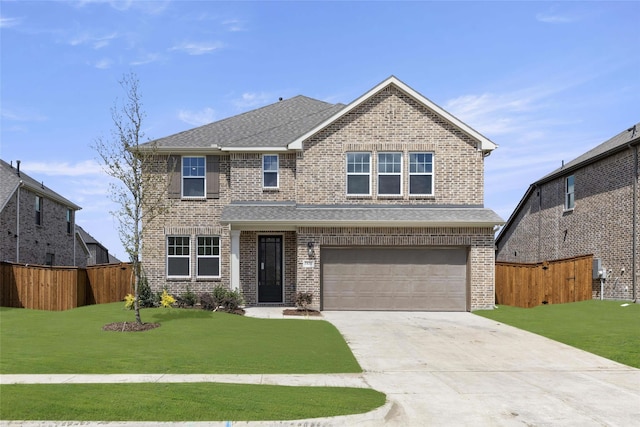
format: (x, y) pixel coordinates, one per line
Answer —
(589, 206)
(375, 205)
(37, 225)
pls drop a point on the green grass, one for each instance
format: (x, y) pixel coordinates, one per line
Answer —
(604, 328)
(181, 402)
(189, 341)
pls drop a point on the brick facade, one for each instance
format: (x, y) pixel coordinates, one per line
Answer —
(38, 244)
(601, 222)
(390, 120)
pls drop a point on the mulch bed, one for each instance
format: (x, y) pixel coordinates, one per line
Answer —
(296, 312)
(129, 326)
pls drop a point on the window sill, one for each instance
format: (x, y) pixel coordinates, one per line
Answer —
(178, 279)
(269, 189)
(209, 279)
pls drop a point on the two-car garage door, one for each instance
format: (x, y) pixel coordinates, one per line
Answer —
(382, 278)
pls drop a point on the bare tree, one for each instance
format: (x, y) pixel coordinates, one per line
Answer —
(123, 160)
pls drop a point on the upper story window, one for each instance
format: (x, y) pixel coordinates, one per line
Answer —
(421, 174)
(270, 174)
(69, 220)
(569, 198)
(193, 177)
(208, 256)
(178, 256)
(38, 207)
(390, 174)
(358, 174)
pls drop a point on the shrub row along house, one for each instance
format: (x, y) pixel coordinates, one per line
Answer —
(375, 205)
(588, 206)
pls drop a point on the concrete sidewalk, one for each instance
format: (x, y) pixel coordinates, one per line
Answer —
(310, 380)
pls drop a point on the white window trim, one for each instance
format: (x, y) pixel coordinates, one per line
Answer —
(566, 193)
(277, 171)
(182, 177)
(198, 256)
(398, 174)
(188, 276)
(432, 174)
(346, 158)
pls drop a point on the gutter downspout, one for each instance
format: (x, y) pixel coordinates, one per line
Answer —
(634, 232)
(18, 223)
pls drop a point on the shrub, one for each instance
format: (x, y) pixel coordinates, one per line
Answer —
(207, 302)
(226, 299)
(128, 302)
(187, 299)
(303, 300)
(166, 300)
(232, 301)
(146, 297)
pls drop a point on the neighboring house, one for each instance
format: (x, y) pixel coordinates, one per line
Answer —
(95, 251)
(588, 206)
(36, 223)
(375, 205)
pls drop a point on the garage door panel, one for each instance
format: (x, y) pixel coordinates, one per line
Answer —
(394, 279)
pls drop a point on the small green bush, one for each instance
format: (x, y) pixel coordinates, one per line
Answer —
(146, 298)
(226, 300)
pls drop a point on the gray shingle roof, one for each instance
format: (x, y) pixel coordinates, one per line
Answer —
(619, 141)
(9, 181)
(274, 125)
(310, 215)
(610, 146)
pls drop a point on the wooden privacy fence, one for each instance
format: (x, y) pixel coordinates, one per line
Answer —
(62, 288)
(551, 282)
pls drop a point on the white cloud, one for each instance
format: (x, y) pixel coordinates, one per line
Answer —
(554, 18)
(21, 116)
(197, 118)
(103, 64)
(198, 48)
(9, 22)
(95, 41)
(234, 25)
(149, 7)
(248, 100)
(82, 168)
(147, 59)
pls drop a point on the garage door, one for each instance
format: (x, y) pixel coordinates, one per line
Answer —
(394, 279)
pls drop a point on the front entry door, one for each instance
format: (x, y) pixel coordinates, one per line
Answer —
(270, 269)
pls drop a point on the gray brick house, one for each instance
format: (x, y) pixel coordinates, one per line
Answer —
(37, 225)
(375, 205)
(587, 206)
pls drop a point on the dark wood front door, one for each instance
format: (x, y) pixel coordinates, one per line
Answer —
(270, 269)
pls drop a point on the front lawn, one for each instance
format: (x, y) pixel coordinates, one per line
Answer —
(605, 328)
(188, 341)
(181, 402)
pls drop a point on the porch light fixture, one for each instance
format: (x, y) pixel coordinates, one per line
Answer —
(310, 248)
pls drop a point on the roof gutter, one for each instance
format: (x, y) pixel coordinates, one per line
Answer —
(634, 223)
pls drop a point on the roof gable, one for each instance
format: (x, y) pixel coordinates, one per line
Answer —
(483, 142)
(10, 181)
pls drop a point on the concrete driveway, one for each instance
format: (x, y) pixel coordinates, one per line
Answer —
(462, 369)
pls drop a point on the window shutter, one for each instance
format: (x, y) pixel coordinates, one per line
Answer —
(213, 177)
(175, 175)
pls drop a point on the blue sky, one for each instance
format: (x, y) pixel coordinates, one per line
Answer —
(546, 81)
